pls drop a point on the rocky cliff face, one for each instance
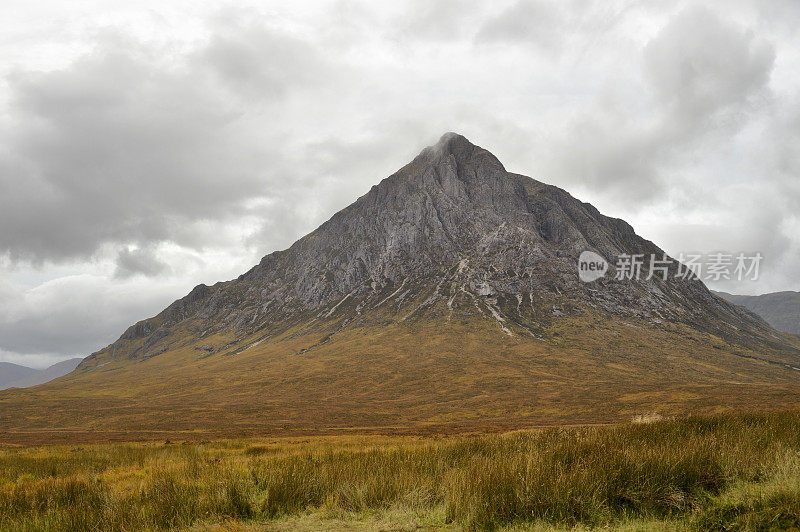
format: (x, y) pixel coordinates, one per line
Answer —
(450, 234)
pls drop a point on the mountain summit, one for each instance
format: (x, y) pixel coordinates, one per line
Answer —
(447, 296)
(452, 231)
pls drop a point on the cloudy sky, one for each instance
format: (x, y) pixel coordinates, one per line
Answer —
(147, 148)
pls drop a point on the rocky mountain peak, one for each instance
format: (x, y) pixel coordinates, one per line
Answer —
(456, 146)
(451, 233)
(460, 167)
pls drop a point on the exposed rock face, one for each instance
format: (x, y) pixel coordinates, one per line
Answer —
(457, 234)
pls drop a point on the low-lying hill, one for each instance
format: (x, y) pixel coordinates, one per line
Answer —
(33, 377)
(779, 309)
(10, 372)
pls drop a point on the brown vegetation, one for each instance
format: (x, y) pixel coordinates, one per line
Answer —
(411, 378)
(724, 472)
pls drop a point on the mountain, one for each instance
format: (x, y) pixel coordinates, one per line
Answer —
(11, 372)
(41, 376)
(446, 298)
(779, 309)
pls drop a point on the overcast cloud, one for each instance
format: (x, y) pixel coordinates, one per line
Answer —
(145, 149)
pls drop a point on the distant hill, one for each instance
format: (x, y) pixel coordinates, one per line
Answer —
(13, 372)
(779, 309)
(16, 376)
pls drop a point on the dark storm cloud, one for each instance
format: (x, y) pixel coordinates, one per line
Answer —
(125, 146)
(141, 261)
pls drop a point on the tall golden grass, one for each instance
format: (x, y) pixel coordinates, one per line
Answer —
(724, 472)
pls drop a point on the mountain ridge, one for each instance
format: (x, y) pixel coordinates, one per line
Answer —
(41, 376)
(780, 309)
(10, 372)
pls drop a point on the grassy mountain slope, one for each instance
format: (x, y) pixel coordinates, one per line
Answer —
(420, 377)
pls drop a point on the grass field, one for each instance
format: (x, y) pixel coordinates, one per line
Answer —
(732, 472)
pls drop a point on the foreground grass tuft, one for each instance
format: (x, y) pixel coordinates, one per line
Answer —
(720, 473)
